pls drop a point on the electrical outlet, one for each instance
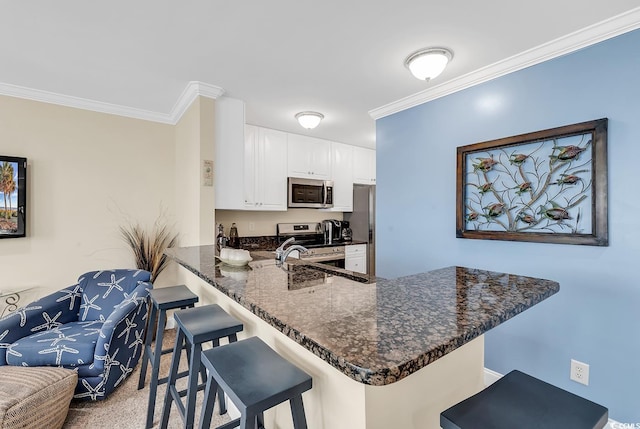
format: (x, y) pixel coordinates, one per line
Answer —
(579, 372)
(252, 226)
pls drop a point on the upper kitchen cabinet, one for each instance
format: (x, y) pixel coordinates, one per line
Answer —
(364, 166)
(265, 166)
(342, 176)
(309, 157)
(250, 170)
(229, 153)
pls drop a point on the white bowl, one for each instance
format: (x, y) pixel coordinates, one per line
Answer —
(235, 257)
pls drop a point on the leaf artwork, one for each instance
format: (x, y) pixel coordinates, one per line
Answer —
(542, 186)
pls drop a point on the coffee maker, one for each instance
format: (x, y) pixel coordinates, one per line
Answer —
(331, 230)
(345, 232)
(336, 231)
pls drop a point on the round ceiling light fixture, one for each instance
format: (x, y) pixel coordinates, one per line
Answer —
(309, 120)
(426, 64)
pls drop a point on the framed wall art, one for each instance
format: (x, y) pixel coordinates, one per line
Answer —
(13, 196)
(548, 186)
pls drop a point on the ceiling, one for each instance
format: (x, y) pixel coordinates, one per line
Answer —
(341, 58)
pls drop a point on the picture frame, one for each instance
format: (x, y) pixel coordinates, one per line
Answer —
(547, 186)
(13, 196)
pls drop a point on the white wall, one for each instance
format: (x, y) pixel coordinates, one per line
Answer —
(88, 173)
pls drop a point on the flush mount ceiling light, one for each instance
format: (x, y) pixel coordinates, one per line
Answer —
(309, 120)
(427, 64)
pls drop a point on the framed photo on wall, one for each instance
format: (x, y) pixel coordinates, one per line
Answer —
(547, 186)
(13, 196)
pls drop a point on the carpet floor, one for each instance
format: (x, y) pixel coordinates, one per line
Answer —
(126, 407)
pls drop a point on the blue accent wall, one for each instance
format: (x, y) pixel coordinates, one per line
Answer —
(595, 318)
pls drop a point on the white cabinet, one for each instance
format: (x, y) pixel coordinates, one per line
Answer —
(229, 153)
(252, 163)
(342, 176)
(265, 166)
(364, 166)
(355, 258)
(250, 166)
(309, 157)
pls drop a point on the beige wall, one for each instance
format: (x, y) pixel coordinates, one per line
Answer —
(194, 202)
(88, 173)
(265, 222)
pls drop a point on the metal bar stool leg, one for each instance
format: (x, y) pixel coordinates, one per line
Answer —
(209, 401)
(147, 343)
(247, 421)
(171, 382)
(192, 389)
(153, 384)
(297, 412)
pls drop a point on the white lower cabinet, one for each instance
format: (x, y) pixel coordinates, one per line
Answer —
(355, 258)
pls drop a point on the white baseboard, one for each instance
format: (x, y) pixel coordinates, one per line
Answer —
(491, 376)
(617, 425)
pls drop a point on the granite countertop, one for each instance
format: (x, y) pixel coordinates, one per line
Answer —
(374, 330)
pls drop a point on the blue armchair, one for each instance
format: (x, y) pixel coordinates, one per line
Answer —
(95, 327)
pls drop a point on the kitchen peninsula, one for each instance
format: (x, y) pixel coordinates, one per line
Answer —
(383, 353)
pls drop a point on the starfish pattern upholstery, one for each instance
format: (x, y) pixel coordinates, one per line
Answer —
(95, 327)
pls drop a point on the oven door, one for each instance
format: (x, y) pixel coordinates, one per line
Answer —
(338, 263)
(310, 193)
(331, 257)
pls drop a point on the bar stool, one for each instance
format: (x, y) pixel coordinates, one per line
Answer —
(520, 401)
(195, 327)
(256, 378)
(162, 299)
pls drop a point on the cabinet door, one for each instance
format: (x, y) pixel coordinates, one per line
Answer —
(355, 258)
(249, 166)
(364, 161)
(272, 158)
(229, 153)
(309, 157)
(342, 176)
(321, 159)
(356, 263)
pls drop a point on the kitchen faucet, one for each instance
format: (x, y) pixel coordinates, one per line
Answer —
(281, 254)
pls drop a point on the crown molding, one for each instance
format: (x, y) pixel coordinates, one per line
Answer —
(190, 93)
(81, 103)
(193, 90)
(572, 42)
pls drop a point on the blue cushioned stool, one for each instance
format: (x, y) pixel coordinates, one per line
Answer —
(162, 300)
(196, 326)
(520, 401)
(256, 378)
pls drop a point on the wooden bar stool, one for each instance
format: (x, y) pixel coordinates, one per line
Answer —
(196, 326)
(162, 300)
(520, 401)
(255, 378)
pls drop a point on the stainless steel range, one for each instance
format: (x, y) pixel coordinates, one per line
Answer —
(311, 236)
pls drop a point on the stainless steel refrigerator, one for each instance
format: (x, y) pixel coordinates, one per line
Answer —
(362, 221)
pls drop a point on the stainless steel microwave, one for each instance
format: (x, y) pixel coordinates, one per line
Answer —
(310, 193)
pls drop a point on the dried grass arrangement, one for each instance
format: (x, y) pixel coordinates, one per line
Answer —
(148, 247)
